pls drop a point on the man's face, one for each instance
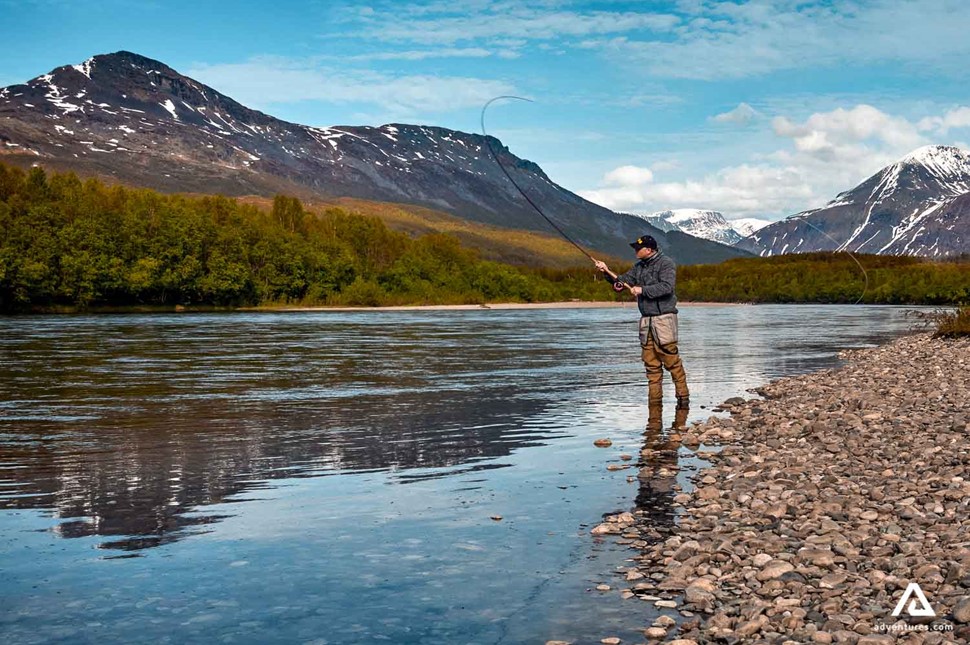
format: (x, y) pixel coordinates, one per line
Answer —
(643, 253)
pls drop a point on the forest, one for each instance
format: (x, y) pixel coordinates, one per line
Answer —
(829, 278)
(68, 244)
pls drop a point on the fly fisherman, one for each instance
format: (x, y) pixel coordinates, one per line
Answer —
(652, 281)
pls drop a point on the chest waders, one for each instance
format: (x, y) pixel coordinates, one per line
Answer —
(657, 357)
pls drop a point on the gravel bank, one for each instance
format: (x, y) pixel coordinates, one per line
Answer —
(826, 500)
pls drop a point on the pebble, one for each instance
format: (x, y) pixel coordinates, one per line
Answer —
(655, 632)
(774, 569)
(761, 560)
(664, 621)
(603, 443)
(961, 613)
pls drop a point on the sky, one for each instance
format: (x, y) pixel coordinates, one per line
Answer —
(755, 109)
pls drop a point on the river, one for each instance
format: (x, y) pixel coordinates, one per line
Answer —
(332, 477)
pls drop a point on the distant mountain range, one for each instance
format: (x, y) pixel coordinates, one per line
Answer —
(919, 205)
(140, 122)
(705, 224)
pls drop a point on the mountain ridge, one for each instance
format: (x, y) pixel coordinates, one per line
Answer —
(915, 206)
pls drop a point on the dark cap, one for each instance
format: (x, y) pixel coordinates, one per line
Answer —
(645, 242)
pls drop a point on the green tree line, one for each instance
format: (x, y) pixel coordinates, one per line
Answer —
(829, 278)
(67, 243)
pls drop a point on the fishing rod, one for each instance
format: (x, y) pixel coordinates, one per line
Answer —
(488, 144)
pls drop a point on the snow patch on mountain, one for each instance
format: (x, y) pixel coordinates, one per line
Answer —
(745, 226)
(85, 67)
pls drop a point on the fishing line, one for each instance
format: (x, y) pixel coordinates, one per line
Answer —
(488, 143)
(865, 275)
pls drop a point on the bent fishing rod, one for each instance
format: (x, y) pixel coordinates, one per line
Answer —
(488, 144)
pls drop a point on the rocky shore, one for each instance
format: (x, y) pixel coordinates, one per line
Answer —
(824, 501)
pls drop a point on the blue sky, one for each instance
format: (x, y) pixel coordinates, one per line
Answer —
(751, 108)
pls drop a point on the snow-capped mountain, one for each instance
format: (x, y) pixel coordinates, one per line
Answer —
(708, 225)
(660, 222)
(137, 120)
(745, 226)
(919, 205)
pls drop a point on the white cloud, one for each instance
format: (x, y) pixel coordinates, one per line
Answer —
(741, 115)
(820, 156)
(738, 190)
(665, 164)
(841, 133)
(529, 22)
(954, 119)
(424, 54)
(721, 39)
(644, 100)
(628, 176)
(265, 81)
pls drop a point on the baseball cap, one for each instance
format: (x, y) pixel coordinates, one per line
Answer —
(646, 241)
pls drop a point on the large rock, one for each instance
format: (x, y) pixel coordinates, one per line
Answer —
(774, 569)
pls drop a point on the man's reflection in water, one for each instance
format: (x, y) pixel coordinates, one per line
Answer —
(658, 470)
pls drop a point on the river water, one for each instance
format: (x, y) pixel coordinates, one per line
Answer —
(331, 477)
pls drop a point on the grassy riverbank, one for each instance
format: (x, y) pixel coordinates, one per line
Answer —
(954, 324)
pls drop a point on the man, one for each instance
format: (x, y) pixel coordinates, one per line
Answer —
(652, 280)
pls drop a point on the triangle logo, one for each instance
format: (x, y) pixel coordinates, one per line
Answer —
(922, 609)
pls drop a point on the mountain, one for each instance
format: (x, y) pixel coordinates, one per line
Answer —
(705, 224)
(139, 121)
(919, 205)
(745, 226)
(660, 222)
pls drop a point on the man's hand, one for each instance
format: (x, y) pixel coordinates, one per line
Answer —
(636, 291)
(601, 266)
